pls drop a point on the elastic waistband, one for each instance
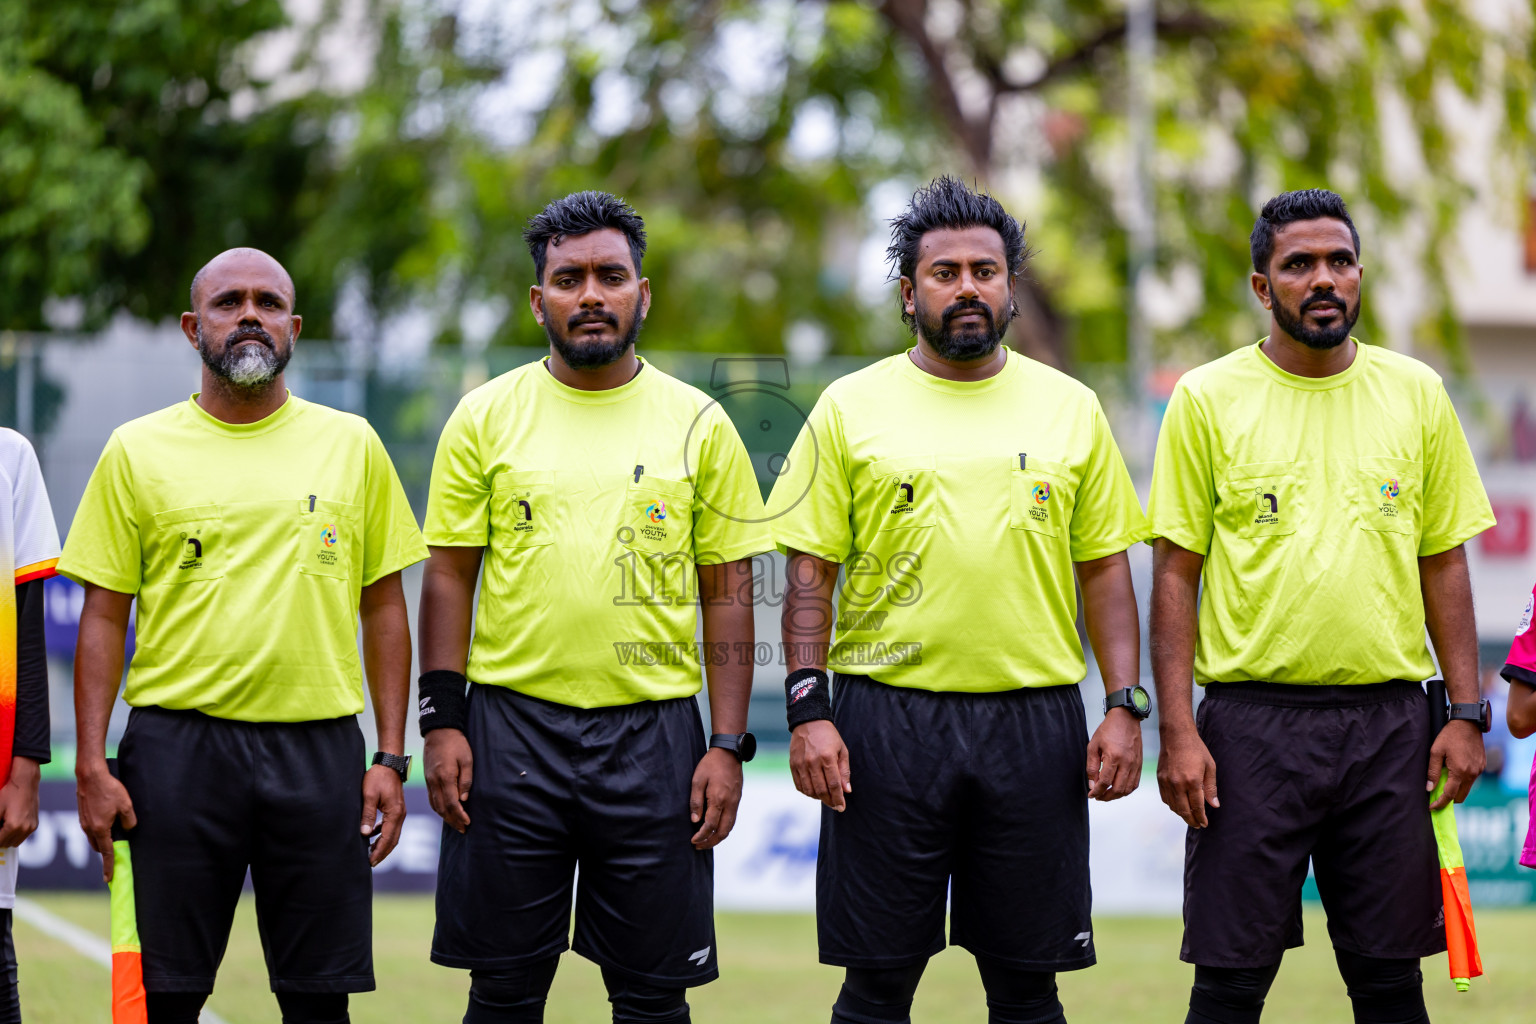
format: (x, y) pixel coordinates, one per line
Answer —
(519, 696)
(1017, 693)
(1302, 695)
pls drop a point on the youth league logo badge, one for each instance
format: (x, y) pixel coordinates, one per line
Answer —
(1389, 490)
(653, 523)
(327, 555)
(1525, 620)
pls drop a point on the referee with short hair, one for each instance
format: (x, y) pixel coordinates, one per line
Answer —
(960, 488)
(605, 508)
(1321, 490)
(253, 529)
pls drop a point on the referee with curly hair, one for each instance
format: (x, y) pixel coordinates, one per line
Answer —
(963, 490)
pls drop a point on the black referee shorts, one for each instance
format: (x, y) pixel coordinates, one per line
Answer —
(555, 787)
(981, 795)
(1331, 773)
(216, 797)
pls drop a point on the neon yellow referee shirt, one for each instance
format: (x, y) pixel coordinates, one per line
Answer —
(957, 509)
(594, 508)
(1312, 500)
(247, 546)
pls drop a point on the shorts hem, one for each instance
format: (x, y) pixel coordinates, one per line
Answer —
(494, 963)
(1433, 949)
(659, 980)
(1073, 964)
(177, 983)
(340, 983)
(1240, 961)
(832, 959)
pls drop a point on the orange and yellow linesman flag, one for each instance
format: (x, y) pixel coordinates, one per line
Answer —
(1460, 933)
(127, 961)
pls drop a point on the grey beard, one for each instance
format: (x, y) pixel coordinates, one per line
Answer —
(250, 368)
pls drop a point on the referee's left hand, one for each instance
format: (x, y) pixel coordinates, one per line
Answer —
(1114, 756)
(382, 791)
(715, 797)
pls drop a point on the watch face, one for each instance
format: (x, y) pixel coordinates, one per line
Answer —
(748, 748)
(1141, 700)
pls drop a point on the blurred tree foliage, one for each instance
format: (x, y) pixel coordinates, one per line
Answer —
(761, 140)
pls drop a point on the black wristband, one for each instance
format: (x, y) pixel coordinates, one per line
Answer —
(442, 700)
(807, 697)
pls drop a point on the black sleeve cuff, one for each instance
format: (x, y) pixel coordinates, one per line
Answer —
(43, 756)
(1517, 674)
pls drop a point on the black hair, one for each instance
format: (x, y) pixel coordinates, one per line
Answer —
(948, 203)
(581, 213)
(1289, 207)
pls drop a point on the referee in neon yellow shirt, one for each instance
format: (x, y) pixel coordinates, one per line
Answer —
(960, 488)
(606, 508)
(1321, 490)
(254, 530)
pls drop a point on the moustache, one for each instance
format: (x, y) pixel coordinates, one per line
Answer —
(1324, 301)
(250, 334)
(591, 318)
(962, 308)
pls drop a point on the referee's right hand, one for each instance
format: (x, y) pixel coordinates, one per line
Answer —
(450, 770)
(818, 759)
(102, 802)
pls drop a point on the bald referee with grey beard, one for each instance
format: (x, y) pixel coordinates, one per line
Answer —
(254, 530)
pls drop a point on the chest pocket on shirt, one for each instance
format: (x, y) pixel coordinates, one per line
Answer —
(188, 545)
(1040, 497)
(524, 509)
(1388, 494)
(330, 538)
(906, 492)
(657, 517)
(1261, 499)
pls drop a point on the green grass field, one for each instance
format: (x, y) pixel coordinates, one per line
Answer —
(769, 976)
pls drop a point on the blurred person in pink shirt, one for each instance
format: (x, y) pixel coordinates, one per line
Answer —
(1520, 713)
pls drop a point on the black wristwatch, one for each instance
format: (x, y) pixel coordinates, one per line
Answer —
(401, 763)
(1134, 699)
(1480, 713)
(742, 744)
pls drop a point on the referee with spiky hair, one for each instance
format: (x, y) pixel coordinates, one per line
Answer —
(1311, 498)
(962, 490)
(605, 508)
(255, 531)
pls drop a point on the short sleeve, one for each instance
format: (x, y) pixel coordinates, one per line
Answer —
(1520, 666)
(1182, 505)
(391, 539)
(103, 546)
(728, 507)
(1456, 507)
(811, 506)
(1107, 516)
(459, 500)
(36, 553)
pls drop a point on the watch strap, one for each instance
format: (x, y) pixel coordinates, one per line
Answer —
(1481, 713)
(399, 763)
(742, 744)
(1126, 698)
